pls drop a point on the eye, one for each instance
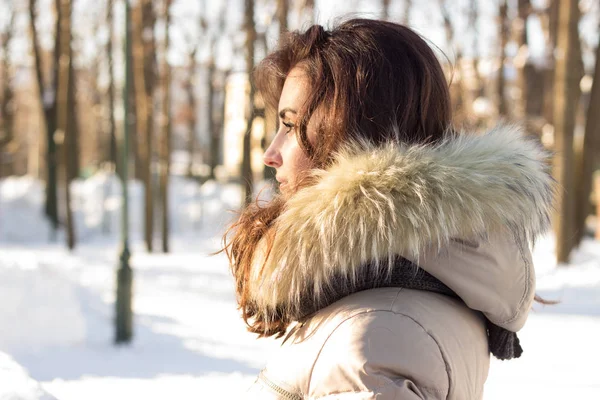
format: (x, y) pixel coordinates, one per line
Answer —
(288, 125)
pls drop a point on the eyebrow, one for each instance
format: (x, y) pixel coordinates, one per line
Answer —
(286, 110)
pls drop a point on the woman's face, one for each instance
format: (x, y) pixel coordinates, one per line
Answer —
(285, 153)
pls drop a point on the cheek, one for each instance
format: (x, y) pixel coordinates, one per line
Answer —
(297, 160)
(302, 165)
(303, 162)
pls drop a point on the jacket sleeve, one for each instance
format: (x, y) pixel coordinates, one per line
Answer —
(379, 355)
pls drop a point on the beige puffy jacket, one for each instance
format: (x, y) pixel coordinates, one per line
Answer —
(466, 211)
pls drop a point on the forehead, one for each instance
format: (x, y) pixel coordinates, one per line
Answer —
(295, 89)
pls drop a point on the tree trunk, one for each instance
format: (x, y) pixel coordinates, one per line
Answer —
(217, 119)
(99, 132)
(112, 148)
(192, 145)
(501, 82)
(247, 177)
(309, 11)
(406, 14)
(165, 158)
(192, 120)
(385, 10)
(143, 94)
(132, 119)
(591, 154)
(457, 80)
(216, 90)
(474, 88)
(282, 15)
(47, 97)
(566, 99)
(72, 138)
(552, 32)
(7, 105)
(597, 192)
(215, 135)
(63, 131)
(521, 59)
(538, 80)
(123, 298)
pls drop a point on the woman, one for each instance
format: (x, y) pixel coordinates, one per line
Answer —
(397, 256)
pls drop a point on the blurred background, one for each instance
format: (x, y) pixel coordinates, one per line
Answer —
(130, 134)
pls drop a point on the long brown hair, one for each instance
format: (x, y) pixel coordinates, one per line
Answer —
(369, 80)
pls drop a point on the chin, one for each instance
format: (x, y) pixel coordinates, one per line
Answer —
(285, 189)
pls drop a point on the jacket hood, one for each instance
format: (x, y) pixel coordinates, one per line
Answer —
(466, 210)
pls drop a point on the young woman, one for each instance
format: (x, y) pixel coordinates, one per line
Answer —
(397, 256)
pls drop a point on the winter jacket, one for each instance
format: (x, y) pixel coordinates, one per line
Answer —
(466, 211)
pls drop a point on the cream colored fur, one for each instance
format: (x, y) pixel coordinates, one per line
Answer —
(377, 202)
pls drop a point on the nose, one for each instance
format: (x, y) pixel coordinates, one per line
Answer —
(272, 156)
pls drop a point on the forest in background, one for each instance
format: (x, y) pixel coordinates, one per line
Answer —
(62, 75)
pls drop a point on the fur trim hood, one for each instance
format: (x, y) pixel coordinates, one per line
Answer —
(376, 202)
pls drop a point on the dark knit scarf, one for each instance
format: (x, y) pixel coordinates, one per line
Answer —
(503, 344)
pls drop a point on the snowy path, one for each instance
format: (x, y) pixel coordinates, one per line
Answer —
(188, 337)
(16, 384)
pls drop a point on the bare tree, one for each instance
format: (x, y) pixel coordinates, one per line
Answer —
(207, 36)
(406, 14)
(282, 15)
(471, 83)
(144, 66)
(165, 148)
(551, 32)
(473, 21)
(457, 81)
(521, 60)
(95, 96)
(215, 122)
(7, 102)
(309, 11)
(566, 99)
(72, 138)
(597, 190)
(591, 154)
(534, 81)
(110, 91)
(250, 29)
(47, 95)
(123, 299)
(194, 40)
(503, 36)
(63, 131)
(192, 120)
(385, 10)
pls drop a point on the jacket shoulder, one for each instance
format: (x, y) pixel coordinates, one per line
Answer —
(386, 343)
(406, 341)
(380, 353)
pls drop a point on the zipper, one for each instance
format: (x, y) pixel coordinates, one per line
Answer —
(285, 394)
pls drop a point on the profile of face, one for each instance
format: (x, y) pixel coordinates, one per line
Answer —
(285, 153)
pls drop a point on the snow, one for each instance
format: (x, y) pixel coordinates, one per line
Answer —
(22, 198)
(560, 341)
(187, 333)
(16, 383)
(35, 294)
(56, 317)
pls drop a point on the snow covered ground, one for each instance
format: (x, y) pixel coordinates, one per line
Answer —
(57, 308)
